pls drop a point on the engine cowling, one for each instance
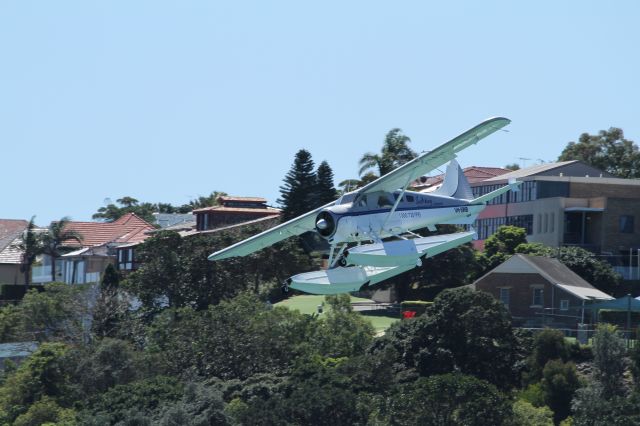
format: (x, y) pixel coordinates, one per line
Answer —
(326, 224)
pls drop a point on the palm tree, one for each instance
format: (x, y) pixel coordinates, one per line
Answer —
(31, 246)
(395, 152)
(54, 237)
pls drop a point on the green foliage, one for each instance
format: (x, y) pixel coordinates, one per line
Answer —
(453, 268)
(449, 399)
(325, 189)
(533, 394)
(549, 344)
(113, 212)
(395, 152)
(137, 399)
(175, 271)
(110, 278)
(608, 151)
(505, 240)
(463, 331)
(314, 394)
(501, 245)
(526, 414)
(608, 355)
(341, 332)
(297, 194)
(55, 313)
(559, 383)
(201, 405)
(234, 339)
(591, 406)
(46, 411)
(42, 374)
(31, 245)
(104, 364)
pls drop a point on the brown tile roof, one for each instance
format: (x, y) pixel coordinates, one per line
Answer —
(224, 198)
(128, 228)
(270, 211)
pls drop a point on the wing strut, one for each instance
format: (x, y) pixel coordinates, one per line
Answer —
(395, 205)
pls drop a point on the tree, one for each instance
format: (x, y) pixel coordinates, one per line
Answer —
(297, 192)
(325, 190)
(31, 245)
(608, 355)
(57, 233)
(465, 331)
(448, 399)
(208, 201)
(608, 151)
(526, 414)
(112, 212)
(42, 374)
(559, 383)
(501, 245)
(512, 166)
(395, 152)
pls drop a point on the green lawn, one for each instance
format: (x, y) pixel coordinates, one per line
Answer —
(308, 304)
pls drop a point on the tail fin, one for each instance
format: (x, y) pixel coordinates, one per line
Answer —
(455, 183)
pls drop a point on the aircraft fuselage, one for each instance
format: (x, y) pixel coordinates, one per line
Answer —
(367, 218)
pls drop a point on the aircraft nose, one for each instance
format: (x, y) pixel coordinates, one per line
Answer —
(322, 224)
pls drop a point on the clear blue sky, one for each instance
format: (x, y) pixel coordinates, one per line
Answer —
(165, 101)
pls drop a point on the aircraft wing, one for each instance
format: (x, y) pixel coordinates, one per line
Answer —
(296, 226)
(431, 160)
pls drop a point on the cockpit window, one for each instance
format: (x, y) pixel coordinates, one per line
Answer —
(363, 201)
(384, 201)
(410, 198)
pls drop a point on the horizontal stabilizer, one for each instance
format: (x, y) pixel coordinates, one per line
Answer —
(511, 186)
(405, 252)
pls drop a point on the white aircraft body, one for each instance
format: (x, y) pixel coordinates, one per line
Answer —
(383, 215)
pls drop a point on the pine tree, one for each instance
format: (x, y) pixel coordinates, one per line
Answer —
(297, 193)
(325, 190)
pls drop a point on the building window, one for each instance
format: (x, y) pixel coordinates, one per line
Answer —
(626, 224)
(546, 223)
(504, 296)
(537, 297)
(552, 222)
(125, 259)
(539, 223)
(564, 305)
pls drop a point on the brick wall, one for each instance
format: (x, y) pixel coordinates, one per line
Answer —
(521, 292)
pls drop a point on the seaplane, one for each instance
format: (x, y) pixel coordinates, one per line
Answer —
(371, 230)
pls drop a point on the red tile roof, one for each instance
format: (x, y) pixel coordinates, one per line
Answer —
(128, 228)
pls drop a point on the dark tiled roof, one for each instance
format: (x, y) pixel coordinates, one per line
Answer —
(557, 271)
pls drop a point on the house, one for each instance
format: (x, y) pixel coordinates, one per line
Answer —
(233, 210)
(102, 243)
(11, 231)
(568, 203)
(540, 290)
